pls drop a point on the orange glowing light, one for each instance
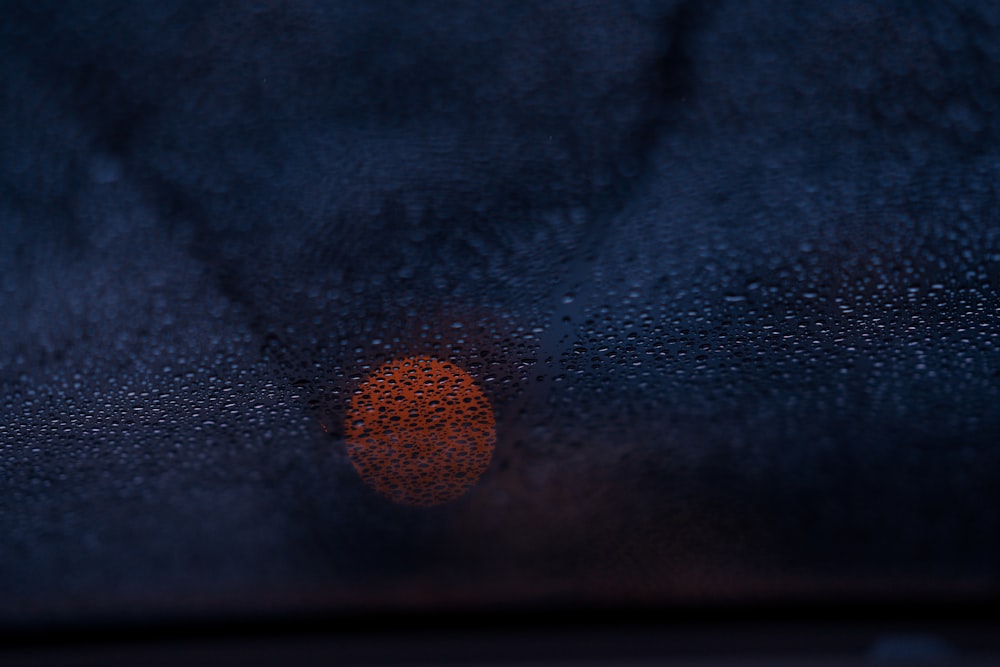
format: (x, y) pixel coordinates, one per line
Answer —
(420, 431)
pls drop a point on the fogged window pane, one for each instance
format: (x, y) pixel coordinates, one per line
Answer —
(330, 305)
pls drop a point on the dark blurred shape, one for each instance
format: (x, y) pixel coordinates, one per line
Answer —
(912, 650)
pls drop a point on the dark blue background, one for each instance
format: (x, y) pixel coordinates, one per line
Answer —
(727, 270)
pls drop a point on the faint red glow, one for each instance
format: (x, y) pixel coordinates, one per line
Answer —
(420, 431)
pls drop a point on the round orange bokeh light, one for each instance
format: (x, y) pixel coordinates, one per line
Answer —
(420, 431)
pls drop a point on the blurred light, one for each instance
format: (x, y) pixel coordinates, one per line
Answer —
(420, 431)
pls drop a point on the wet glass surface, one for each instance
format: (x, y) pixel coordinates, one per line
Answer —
(725, 273)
